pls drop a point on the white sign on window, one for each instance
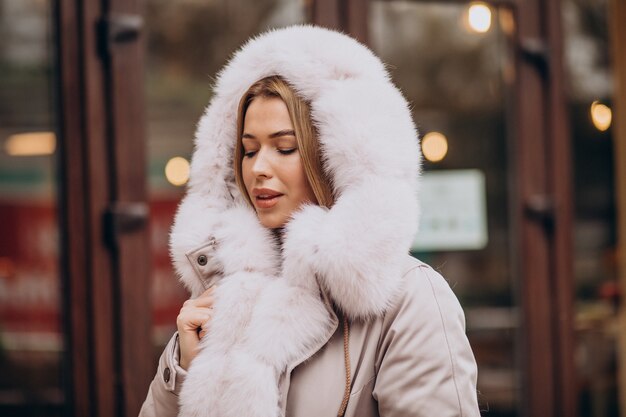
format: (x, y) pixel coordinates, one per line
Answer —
(453, 211)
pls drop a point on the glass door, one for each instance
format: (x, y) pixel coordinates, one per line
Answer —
(31, 337)
(178, 88)
(454, 63)
(590, 99)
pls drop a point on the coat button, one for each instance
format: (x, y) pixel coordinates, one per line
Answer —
(166, 375)
(202, 260)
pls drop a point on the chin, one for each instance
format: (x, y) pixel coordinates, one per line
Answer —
(272, 222)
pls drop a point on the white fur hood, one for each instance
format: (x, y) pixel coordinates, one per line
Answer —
(370, 149)
(268, 313)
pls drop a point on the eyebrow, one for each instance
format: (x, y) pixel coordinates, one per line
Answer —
(284, 132)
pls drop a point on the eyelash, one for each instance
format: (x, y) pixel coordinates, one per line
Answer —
(280, 151)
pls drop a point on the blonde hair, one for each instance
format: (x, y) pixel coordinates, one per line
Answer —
(306, 136)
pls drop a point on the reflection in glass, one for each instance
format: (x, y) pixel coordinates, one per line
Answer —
(458, 73)
(31, 342)
(589, 93)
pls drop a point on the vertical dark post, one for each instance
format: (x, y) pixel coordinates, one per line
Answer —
(544, 213)
(356, 19)
(75, 289)
(103, 207)
(128, 211)
(326, 13)
(84, 185)
(561, 180)
(532, 212)
(348, 16)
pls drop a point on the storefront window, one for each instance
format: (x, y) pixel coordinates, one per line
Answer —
(589, 94)
(31, 339)
(188, 42)
(454, 64)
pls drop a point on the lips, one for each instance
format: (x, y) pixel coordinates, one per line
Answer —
(265, 198)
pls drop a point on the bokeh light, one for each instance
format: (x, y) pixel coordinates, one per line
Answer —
(31, 144)
(177, 171)
(601, 116)
(434, 146)
(479, 17)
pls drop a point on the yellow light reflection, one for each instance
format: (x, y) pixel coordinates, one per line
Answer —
(177, 171)
(31, 144)
(601, 116)
(479, 17)
(434, 146)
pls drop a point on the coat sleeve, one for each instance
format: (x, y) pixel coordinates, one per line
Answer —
(425, 366)
(162, 398)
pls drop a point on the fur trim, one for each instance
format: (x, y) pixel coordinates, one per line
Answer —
(349, 247)
(268, 309)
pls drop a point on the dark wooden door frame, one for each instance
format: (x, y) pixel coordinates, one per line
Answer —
(349, 16)
(105, 246)
(541, 196)
(544, 207)
(106, 286)
(121, 30)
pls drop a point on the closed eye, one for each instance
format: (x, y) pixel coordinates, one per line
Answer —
(250, 154)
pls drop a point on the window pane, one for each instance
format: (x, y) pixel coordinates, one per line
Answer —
(454, 64)
(31, 342)
(188, 42)
(590, 93)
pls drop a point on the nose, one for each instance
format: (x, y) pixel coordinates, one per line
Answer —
(262, 166)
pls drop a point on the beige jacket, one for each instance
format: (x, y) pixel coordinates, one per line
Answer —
(275, 344)
(413, 361)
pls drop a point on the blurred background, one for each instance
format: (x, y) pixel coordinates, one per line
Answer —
(518, 107)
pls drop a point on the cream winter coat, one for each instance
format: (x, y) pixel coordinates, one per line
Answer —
(275, 344)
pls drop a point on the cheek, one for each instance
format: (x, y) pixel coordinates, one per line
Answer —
(246, 172)
(305, 193)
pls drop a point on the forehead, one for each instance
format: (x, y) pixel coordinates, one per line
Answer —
(267, 111)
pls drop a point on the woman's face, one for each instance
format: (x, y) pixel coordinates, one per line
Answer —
(271, 167)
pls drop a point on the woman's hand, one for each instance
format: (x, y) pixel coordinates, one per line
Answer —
(192, 322)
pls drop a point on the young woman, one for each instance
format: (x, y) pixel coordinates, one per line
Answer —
(293, 240)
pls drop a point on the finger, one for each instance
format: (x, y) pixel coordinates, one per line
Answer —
(204, 301)
(204, 328)
(199, 310)
(192, 316)
(198, 302)
(192, 320)
(189, 313)
(188, 343)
